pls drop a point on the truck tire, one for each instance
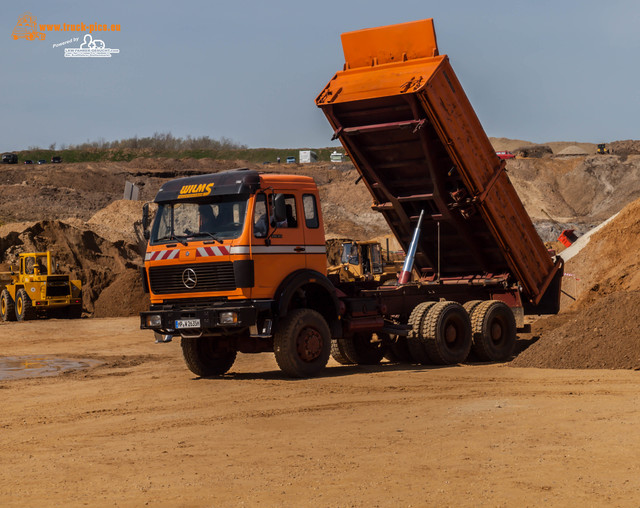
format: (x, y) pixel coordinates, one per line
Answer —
(446, 332)
(494, 331)
(7, 306)
(24, 309)
(339, 353)
(302, 343)
(398, 350)
(470, 305)
(362, 349)
(205, 358)
(414, 340)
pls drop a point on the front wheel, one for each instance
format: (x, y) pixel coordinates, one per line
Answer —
(7, 306)
(24, 309)
(302, 343)
(205, 357)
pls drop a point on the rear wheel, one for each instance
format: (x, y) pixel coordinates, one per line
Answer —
(24, 309)
(470, 305)
(205, 357)
(494, 331)
(398, 350)
(339, 352)
(302, 343)
(446, 332)
(7, 306)
(366, 349)
(414, 340)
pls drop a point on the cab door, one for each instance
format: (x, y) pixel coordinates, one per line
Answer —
(278, 243)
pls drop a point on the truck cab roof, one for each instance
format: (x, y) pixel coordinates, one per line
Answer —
(236, 181)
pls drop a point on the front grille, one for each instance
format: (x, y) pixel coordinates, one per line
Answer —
(58, 286)
(208, 277)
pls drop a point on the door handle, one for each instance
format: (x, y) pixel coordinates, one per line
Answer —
(299, 249)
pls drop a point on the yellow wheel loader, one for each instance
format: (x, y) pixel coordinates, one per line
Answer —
(34, 289)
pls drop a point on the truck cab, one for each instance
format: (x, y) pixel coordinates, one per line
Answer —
(230, 255)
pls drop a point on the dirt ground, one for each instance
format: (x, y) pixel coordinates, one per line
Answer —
(140, 429)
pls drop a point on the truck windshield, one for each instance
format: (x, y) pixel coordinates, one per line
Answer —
(219, 220)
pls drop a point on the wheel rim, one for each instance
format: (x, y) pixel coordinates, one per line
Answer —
(3, 306)
(451, 334)
(309, 344)
(19, 305)
(497, 331)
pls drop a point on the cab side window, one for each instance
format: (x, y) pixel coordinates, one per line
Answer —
(310, 211)
(292, 215)
(260, 217)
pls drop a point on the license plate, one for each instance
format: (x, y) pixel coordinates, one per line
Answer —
(187, 323)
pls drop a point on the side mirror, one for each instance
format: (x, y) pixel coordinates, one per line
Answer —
(145, 221)
(145, 216)
(280, 209)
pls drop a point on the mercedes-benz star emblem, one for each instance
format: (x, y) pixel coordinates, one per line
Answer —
(189, 278)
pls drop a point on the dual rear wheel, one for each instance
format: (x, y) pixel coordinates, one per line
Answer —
(443, 333)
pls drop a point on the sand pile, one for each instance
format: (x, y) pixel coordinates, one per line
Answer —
(611, 260)
(600, 328)
(572, 150)
(603, 335)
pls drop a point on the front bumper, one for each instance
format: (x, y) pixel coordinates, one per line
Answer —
(212, 319)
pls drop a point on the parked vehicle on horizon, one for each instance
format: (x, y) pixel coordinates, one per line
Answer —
(504, 154)
(56, 159)
(9, 158)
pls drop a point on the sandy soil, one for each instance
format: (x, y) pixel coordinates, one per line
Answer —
(140, 429)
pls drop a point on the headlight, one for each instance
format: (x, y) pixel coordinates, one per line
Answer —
(228, 318)
(154, 321)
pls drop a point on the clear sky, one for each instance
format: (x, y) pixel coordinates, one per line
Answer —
(562, 70)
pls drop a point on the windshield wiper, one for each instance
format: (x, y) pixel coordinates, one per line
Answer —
(206, 233)
(172, 238)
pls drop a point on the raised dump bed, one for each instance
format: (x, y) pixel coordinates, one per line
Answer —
(403, 117)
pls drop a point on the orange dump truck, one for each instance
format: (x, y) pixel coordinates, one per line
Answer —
(236, 260)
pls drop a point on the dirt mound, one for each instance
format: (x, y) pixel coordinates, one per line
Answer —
(577, 189)
(121, 220)
(626, 147)
(535, 151)
(598, 326)
(603, 335)
(611, 260)
(123, 297)
(572, 150)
